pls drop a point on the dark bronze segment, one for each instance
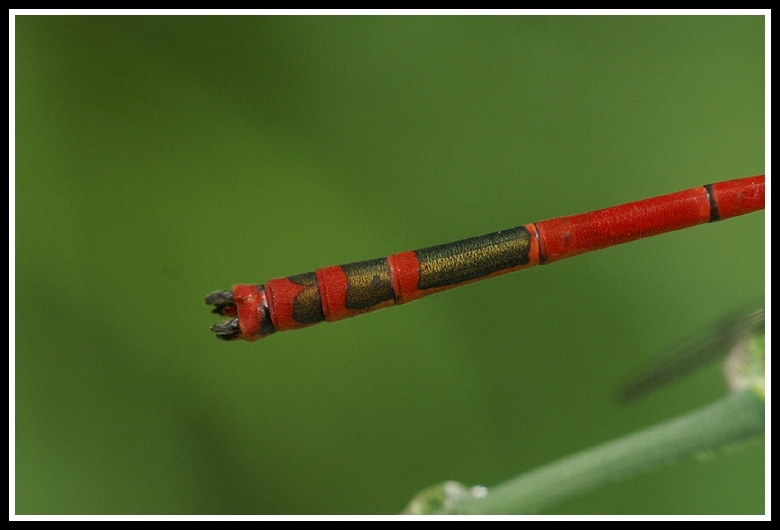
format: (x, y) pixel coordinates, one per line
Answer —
(473, 258)
(368, 283)
(307, 306)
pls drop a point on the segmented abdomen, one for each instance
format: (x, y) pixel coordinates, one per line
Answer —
(341, 291)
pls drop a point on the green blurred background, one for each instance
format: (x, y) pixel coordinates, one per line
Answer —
(161, 158)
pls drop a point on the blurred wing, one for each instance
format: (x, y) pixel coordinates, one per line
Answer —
(711, 343)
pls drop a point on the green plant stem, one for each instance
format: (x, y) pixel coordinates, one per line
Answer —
(733, 418)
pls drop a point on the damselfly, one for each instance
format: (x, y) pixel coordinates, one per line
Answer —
(342, 291)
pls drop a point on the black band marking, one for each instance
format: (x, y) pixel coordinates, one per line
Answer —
(714, 212)
(266, 325)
